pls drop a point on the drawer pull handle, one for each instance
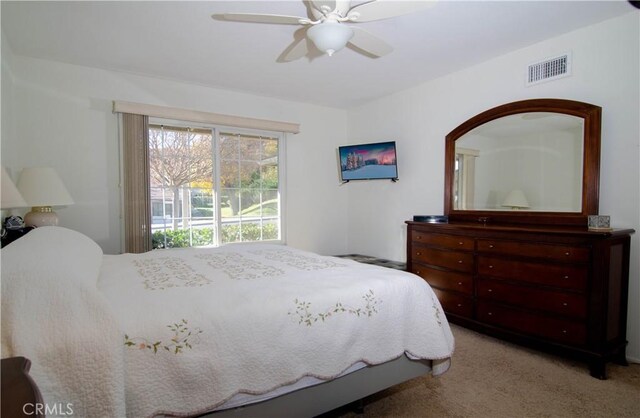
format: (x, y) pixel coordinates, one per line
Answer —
(564, 331)
(417, 271)
(419, 237)
(459, 283)
(459, 261)
(567, 253)
(461, 243)
(565, 277)
(490, 313)
(418, 253)
(490, 290)
(491, 267)
(490, 245)
(565, 304)
(459, 305)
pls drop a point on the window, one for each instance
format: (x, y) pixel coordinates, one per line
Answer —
(212, 186)
(464, 178)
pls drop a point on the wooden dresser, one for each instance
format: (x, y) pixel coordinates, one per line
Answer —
(560, 289)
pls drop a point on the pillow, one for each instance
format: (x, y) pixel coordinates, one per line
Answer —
(54, 315)
(53, 253)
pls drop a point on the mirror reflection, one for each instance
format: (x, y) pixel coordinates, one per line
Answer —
(528, 161)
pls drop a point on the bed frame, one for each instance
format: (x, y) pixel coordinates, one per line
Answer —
(315, 400)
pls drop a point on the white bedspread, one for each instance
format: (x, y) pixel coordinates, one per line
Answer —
(201, 325)
(181, 331)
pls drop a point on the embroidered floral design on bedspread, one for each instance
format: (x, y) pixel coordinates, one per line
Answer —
(436, 309)
(239, 267)
(299, 261)
(437, 313)
(305, 316)
(167, 272)
(183, 337)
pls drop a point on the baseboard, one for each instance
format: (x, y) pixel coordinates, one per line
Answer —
(633, 360)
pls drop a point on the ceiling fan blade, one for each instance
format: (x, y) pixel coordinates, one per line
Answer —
(261, 18)
(296, 50)
(369, 43)
(384, 9)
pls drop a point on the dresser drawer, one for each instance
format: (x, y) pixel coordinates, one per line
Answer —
(455, 303)
(443, 279)
(568, 304)
(565, 331)
(443, 240)
(454, 260)
(557, 275)
(548, 251)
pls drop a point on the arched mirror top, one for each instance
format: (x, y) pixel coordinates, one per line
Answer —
(528, 162)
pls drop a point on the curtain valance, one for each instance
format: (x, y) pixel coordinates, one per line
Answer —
(204, 117)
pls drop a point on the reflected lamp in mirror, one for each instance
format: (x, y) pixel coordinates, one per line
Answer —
(516, 200)
(42, 188)
(11, 197)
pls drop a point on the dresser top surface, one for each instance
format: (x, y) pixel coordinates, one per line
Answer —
(525, 229)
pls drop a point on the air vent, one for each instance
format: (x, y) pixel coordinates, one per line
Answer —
(549, 69)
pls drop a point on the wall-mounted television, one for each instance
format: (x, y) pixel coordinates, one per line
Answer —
(368, 161)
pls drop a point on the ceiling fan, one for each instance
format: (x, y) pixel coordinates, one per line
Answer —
(327, 26)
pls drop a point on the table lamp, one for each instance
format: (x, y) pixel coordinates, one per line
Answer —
(11, 197)
(42, 188)
(516, 200)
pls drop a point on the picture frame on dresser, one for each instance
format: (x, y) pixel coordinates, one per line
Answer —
(536, 276)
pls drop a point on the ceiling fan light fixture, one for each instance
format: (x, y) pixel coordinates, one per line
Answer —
(330, 37)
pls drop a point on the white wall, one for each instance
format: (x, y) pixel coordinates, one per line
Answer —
(605, 72)
(61, 117)
(7, 151)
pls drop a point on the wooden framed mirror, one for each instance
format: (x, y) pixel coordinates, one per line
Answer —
(527, 162)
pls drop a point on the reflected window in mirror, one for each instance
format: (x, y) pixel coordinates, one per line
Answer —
(464, 187)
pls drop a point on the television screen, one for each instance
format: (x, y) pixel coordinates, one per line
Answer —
(368, 161)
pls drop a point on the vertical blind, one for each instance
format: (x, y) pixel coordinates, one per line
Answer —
(137, 212)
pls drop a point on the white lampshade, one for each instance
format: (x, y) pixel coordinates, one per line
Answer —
(516, 200)
(11, 197)
(42, 188)
(330, 37)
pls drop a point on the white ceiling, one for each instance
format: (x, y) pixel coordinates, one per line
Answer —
(180, 41)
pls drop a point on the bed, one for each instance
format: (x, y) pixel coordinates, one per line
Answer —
(245, 329)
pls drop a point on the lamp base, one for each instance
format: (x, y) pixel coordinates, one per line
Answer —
(41, 216)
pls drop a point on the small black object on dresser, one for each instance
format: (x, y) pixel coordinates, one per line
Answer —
(432, 219)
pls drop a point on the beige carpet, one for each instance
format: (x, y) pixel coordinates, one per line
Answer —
(491, 378)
